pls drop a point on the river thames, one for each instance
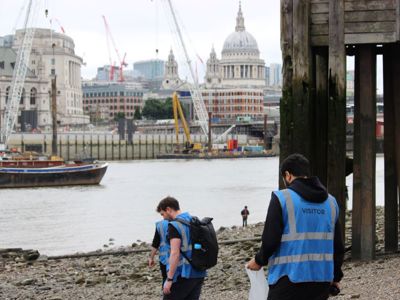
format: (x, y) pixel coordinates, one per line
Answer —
(84, 218)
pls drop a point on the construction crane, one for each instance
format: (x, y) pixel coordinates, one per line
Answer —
(198, 102)
(20, 69)
(178, 112)
(122, 62)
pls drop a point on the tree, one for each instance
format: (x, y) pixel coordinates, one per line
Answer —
(119, 115)
(155, 109)
(137, 115)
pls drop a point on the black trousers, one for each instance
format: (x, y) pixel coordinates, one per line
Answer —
(284, 289)
(163, 269)
(185, 289)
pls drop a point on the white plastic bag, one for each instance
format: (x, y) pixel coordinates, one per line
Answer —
(258, 285)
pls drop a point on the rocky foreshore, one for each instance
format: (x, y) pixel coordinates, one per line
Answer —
(123, 273)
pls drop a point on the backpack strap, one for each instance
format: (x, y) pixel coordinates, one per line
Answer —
(188, 224)
(182, 221)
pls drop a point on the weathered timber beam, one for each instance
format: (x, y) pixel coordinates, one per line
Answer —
(364, 154)
(391, 195)
(337, 107)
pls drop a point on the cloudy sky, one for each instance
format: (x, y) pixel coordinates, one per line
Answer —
(139, 27)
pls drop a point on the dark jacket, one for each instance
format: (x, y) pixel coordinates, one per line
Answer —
(310, 189)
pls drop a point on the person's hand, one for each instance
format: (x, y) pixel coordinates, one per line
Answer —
(336, 284)
(334, 289)
(167, 287)
(252, 265)
(151, 262)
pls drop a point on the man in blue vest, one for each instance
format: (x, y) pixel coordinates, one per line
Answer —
(301, 242)
(183, 281)
(160, 243)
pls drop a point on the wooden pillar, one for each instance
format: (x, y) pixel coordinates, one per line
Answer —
(364, 154)
(286, 103)
(320, 113)
(296, 56)
(391, 195)
(336, 158)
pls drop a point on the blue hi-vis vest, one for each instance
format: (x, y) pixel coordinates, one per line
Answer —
(185, 269)
(162, 229)
(306, 250)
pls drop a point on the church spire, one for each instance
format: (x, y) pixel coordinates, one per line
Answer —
(240, 19)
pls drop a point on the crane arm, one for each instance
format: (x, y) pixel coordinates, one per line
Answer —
(20, 69)
(198, 103)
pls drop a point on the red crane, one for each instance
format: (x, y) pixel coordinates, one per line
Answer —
(122, 62)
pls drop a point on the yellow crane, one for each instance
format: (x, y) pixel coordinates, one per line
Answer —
(178, 112)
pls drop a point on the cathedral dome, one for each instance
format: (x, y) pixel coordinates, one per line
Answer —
(240, 41)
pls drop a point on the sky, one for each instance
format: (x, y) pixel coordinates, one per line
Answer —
(139, 27)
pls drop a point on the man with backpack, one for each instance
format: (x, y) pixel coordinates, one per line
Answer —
(184, 281)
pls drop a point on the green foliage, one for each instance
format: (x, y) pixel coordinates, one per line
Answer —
(137, 115)
(155, 109)
(119, 115)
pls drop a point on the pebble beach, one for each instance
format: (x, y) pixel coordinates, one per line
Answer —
(123, 273)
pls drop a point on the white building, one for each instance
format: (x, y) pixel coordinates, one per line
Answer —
(234, 84)
(171, 76)
(54, 54)
(35, 98)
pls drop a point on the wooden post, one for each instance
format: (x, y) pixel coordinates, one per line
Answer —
(152, 146)
(112, 147)
(119, 149)
(159, 143)
(336, 157)
(76, 145)
(320, 113)
(54, 115)
(286, 103)
(391, 195)
(133, 147)
(98, 146)
(140, 147)
(44, 143)
(91, 146)
(396, 98)
(265, 132)
(364, 154)
(297, 64)
(68, 156)
(105, 147)
(126, 149)
(209, 132)
(146, 146)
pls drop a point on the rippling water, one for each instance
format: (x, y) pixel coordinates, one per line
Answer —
(70, 219)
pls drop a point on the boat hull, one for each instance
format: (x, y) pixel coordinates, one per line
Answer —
(56, 176)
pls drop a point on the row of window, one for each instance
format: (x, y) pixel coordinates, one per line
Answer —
(241, 93)
(236, 108)
(234, 101)
(32, 97)
(129, 107)
(121, 100)
(112, 94)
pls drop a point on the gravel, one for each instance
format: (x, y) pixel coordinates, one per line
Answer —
(126, 276)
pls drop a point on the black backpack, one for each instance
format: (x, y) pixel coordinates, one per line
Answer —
(204, 243)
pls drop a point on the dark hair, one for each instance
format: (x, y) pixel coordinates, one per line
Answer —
(168, 202)
(296, 164)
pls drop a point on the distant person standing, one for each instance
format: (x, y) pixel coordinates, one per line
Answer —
(160, 243)
(245, 213)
